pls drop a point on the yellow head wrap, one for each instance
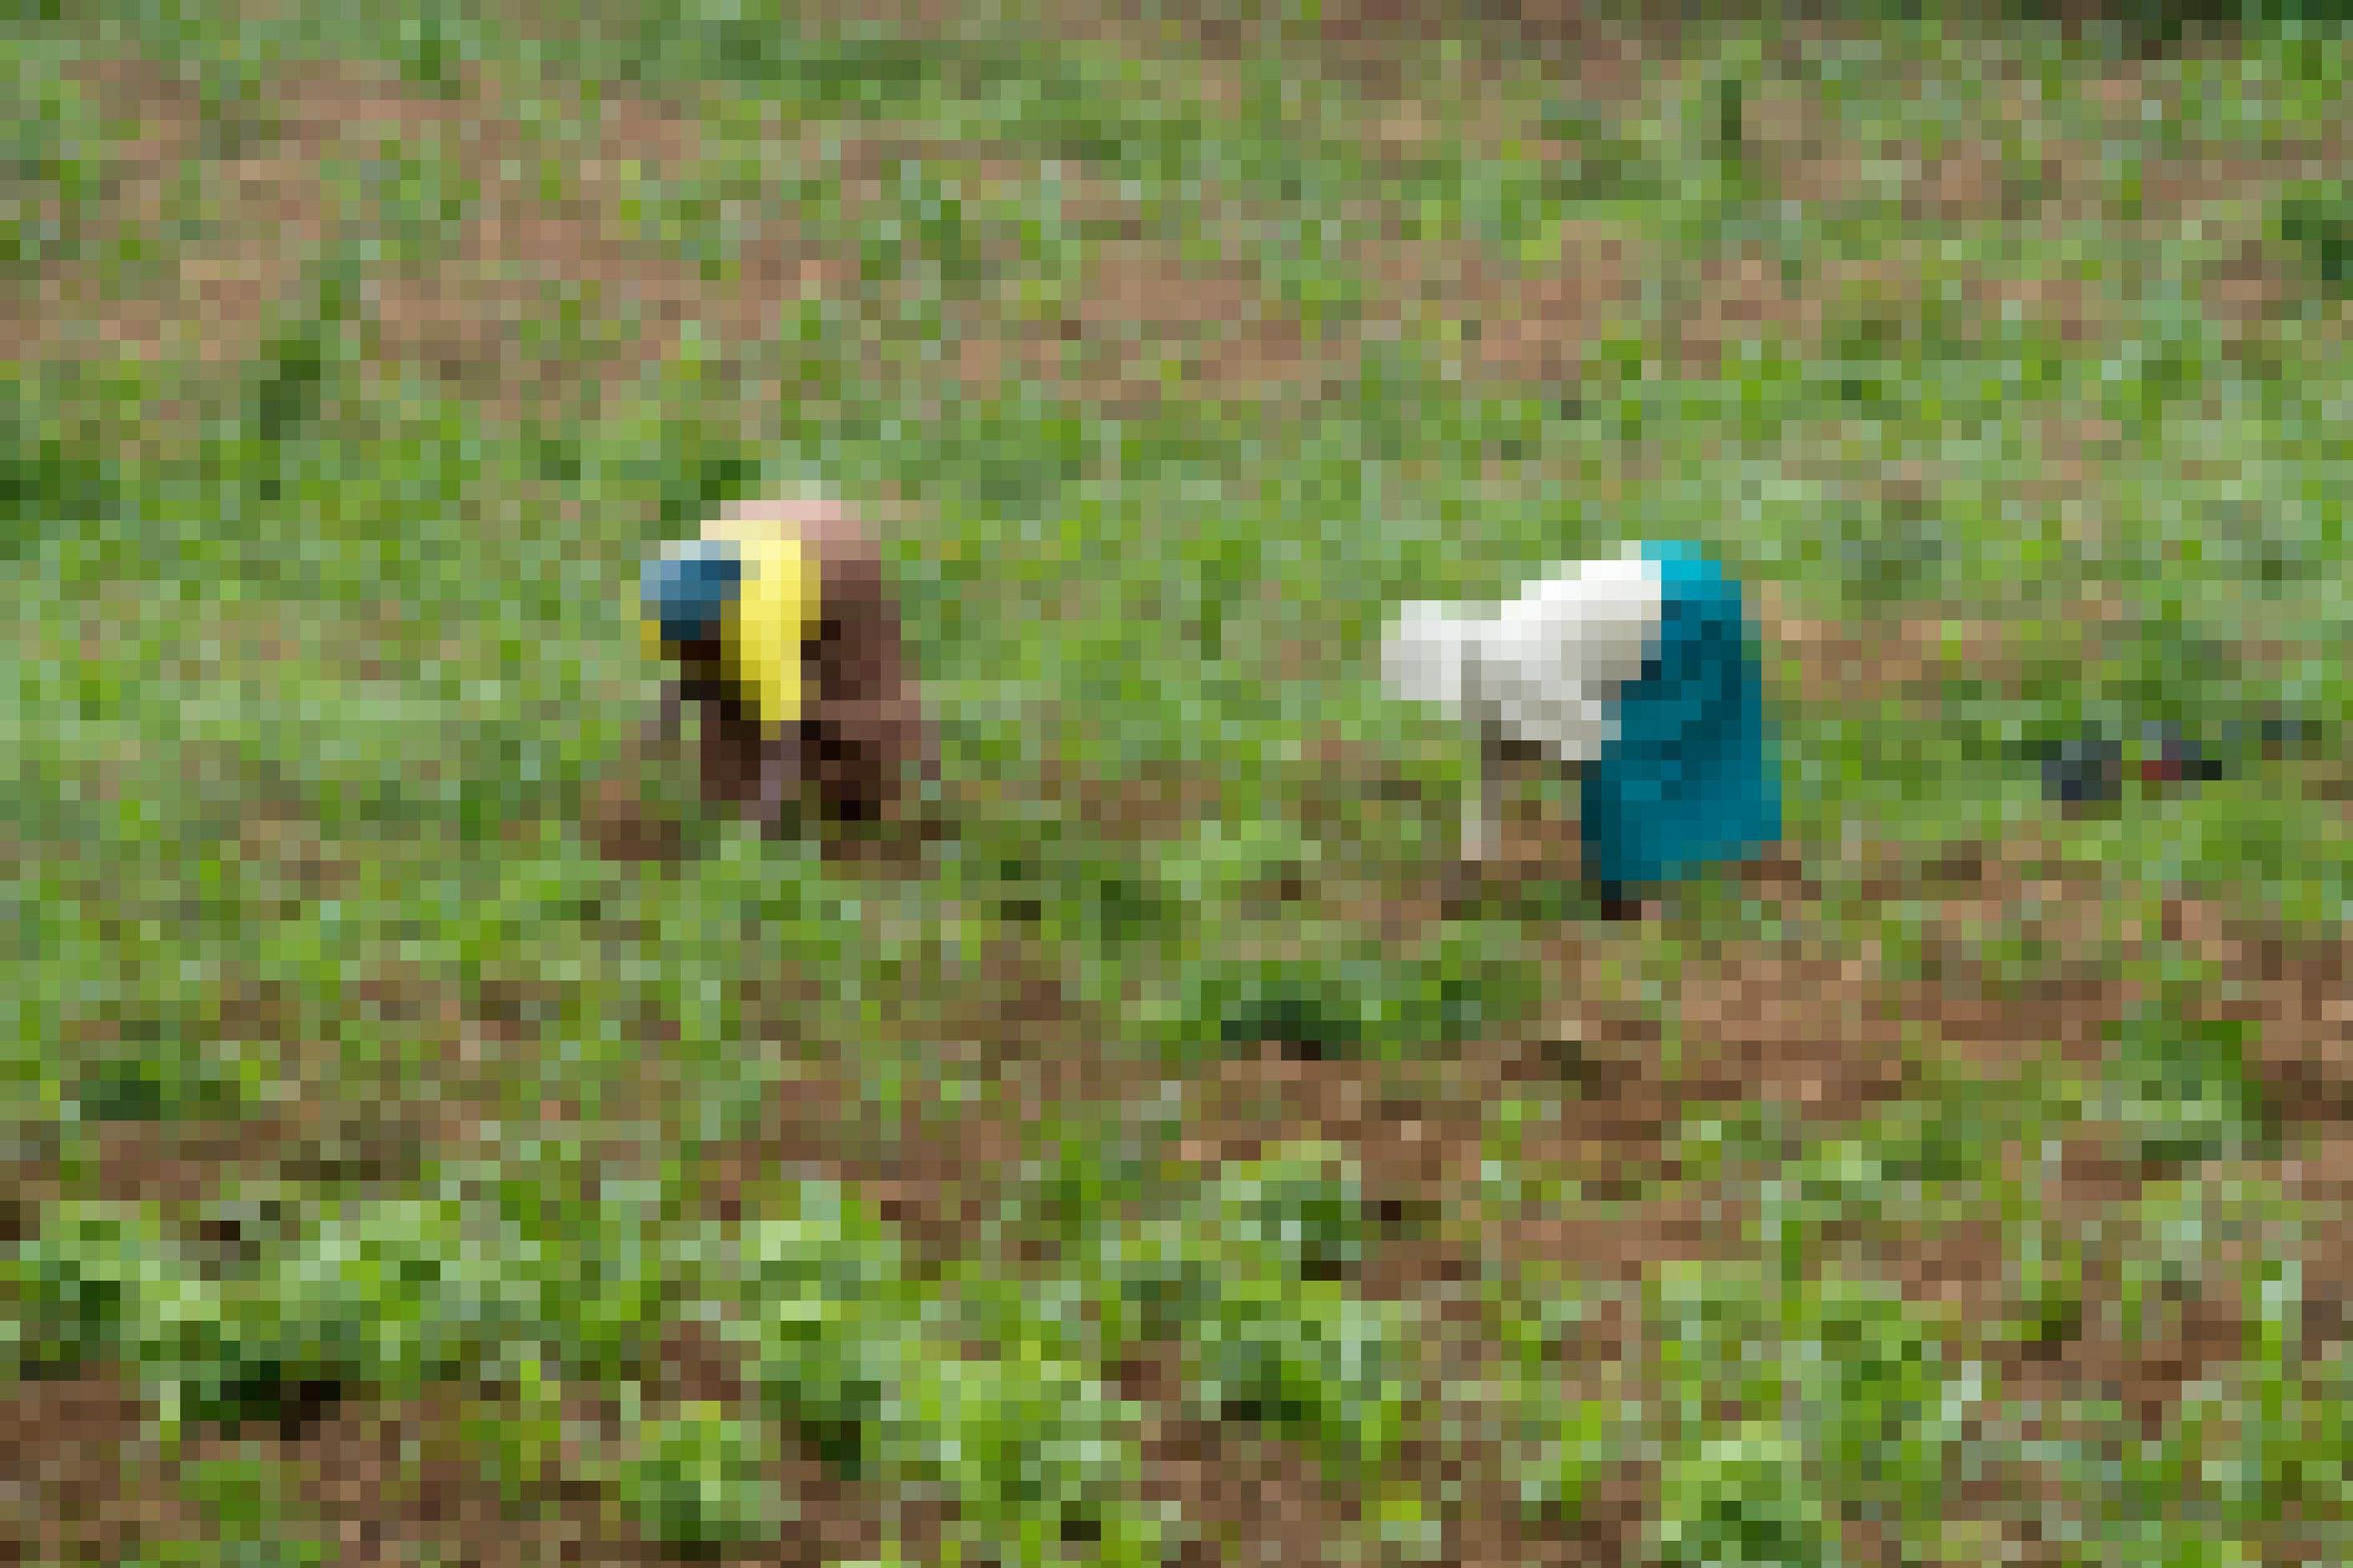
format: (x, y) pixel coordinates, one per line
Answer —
(770, 615)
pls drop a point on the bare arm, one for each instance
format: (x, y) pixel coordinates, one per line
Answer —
(661, 730)
(1481, 802)
(780, 763)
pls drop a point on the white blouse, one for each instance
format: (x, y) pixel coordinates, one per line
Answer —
(1543, 667)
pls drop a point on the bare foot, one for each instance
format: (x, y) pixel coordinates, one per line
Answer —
(1618, 906)
(1462, 888)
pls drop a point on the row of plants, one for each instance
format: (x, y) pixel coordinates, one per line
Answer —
(989, 1393)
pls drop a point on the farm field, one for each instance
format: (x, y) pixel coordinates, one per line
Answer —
(427, 1138)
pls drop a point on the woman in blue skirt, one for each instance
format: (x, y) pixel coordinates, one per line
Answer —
(1640, 673)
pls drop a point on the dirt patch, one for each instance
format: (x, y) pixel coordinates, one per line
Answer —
(524, 253)
(69, 1494)
(189, 1152)
(1805, 155)
(935, 1172)
(2295, 996)
(1520, 323)
(378, 1481)
(258, 208)
(2145, 1371)
(1908, 659)
(1830, 1038)
(1384, 48)
(1136, 320)
(1492, 1528)
(625, 827)
(2319, 1172)
(515, 256)
(2267, 305)
(2086, 1183)
(1230, 338)
(1158, 801)
(1811, 1034)
(1740, 304)
(386, 1480)
(1253, 1499)
(1883, 301)
(1416, 1134)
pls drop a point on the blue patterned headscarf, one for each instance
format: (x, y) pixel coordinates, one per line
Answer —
(688, 588)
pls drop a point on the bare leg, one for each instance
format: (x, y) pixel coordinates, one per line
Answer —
(1477, 840)
(1483, 804)
(1481, 819)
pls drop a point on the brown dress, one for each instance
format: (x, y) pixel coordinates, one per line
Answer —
(863, 733)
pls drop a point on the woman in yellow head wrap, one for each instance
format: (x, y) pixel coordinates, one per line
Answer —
(786, 636)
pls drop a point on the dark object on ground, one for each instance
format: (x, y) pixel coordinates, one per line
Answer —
(2086, 770)
(2169, 756)
(2287, 737)
(273, 1394)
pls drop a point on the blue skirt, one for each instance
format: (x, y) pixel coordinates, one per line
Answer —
(1691, 776)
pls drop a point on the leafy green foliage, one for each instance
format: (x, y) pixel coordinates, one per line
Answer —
(1039, 1450)
(697, 1477)
(390, 1294)
(1359, 1001)
(2319, 225)
(436, 43)
(80, 1290)
(2251, 1441)
(1225, 859)
(1252, 1277)
(2170, 1259)
(1743, 1497)
(1554, 1446)
(1309, 1357)
(244, 1495)
(1298, 1210)
(2181, 1088)
(830, 1309)
(294, 366)
(1849, 1399)
(385, 1294)
(49, 476)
